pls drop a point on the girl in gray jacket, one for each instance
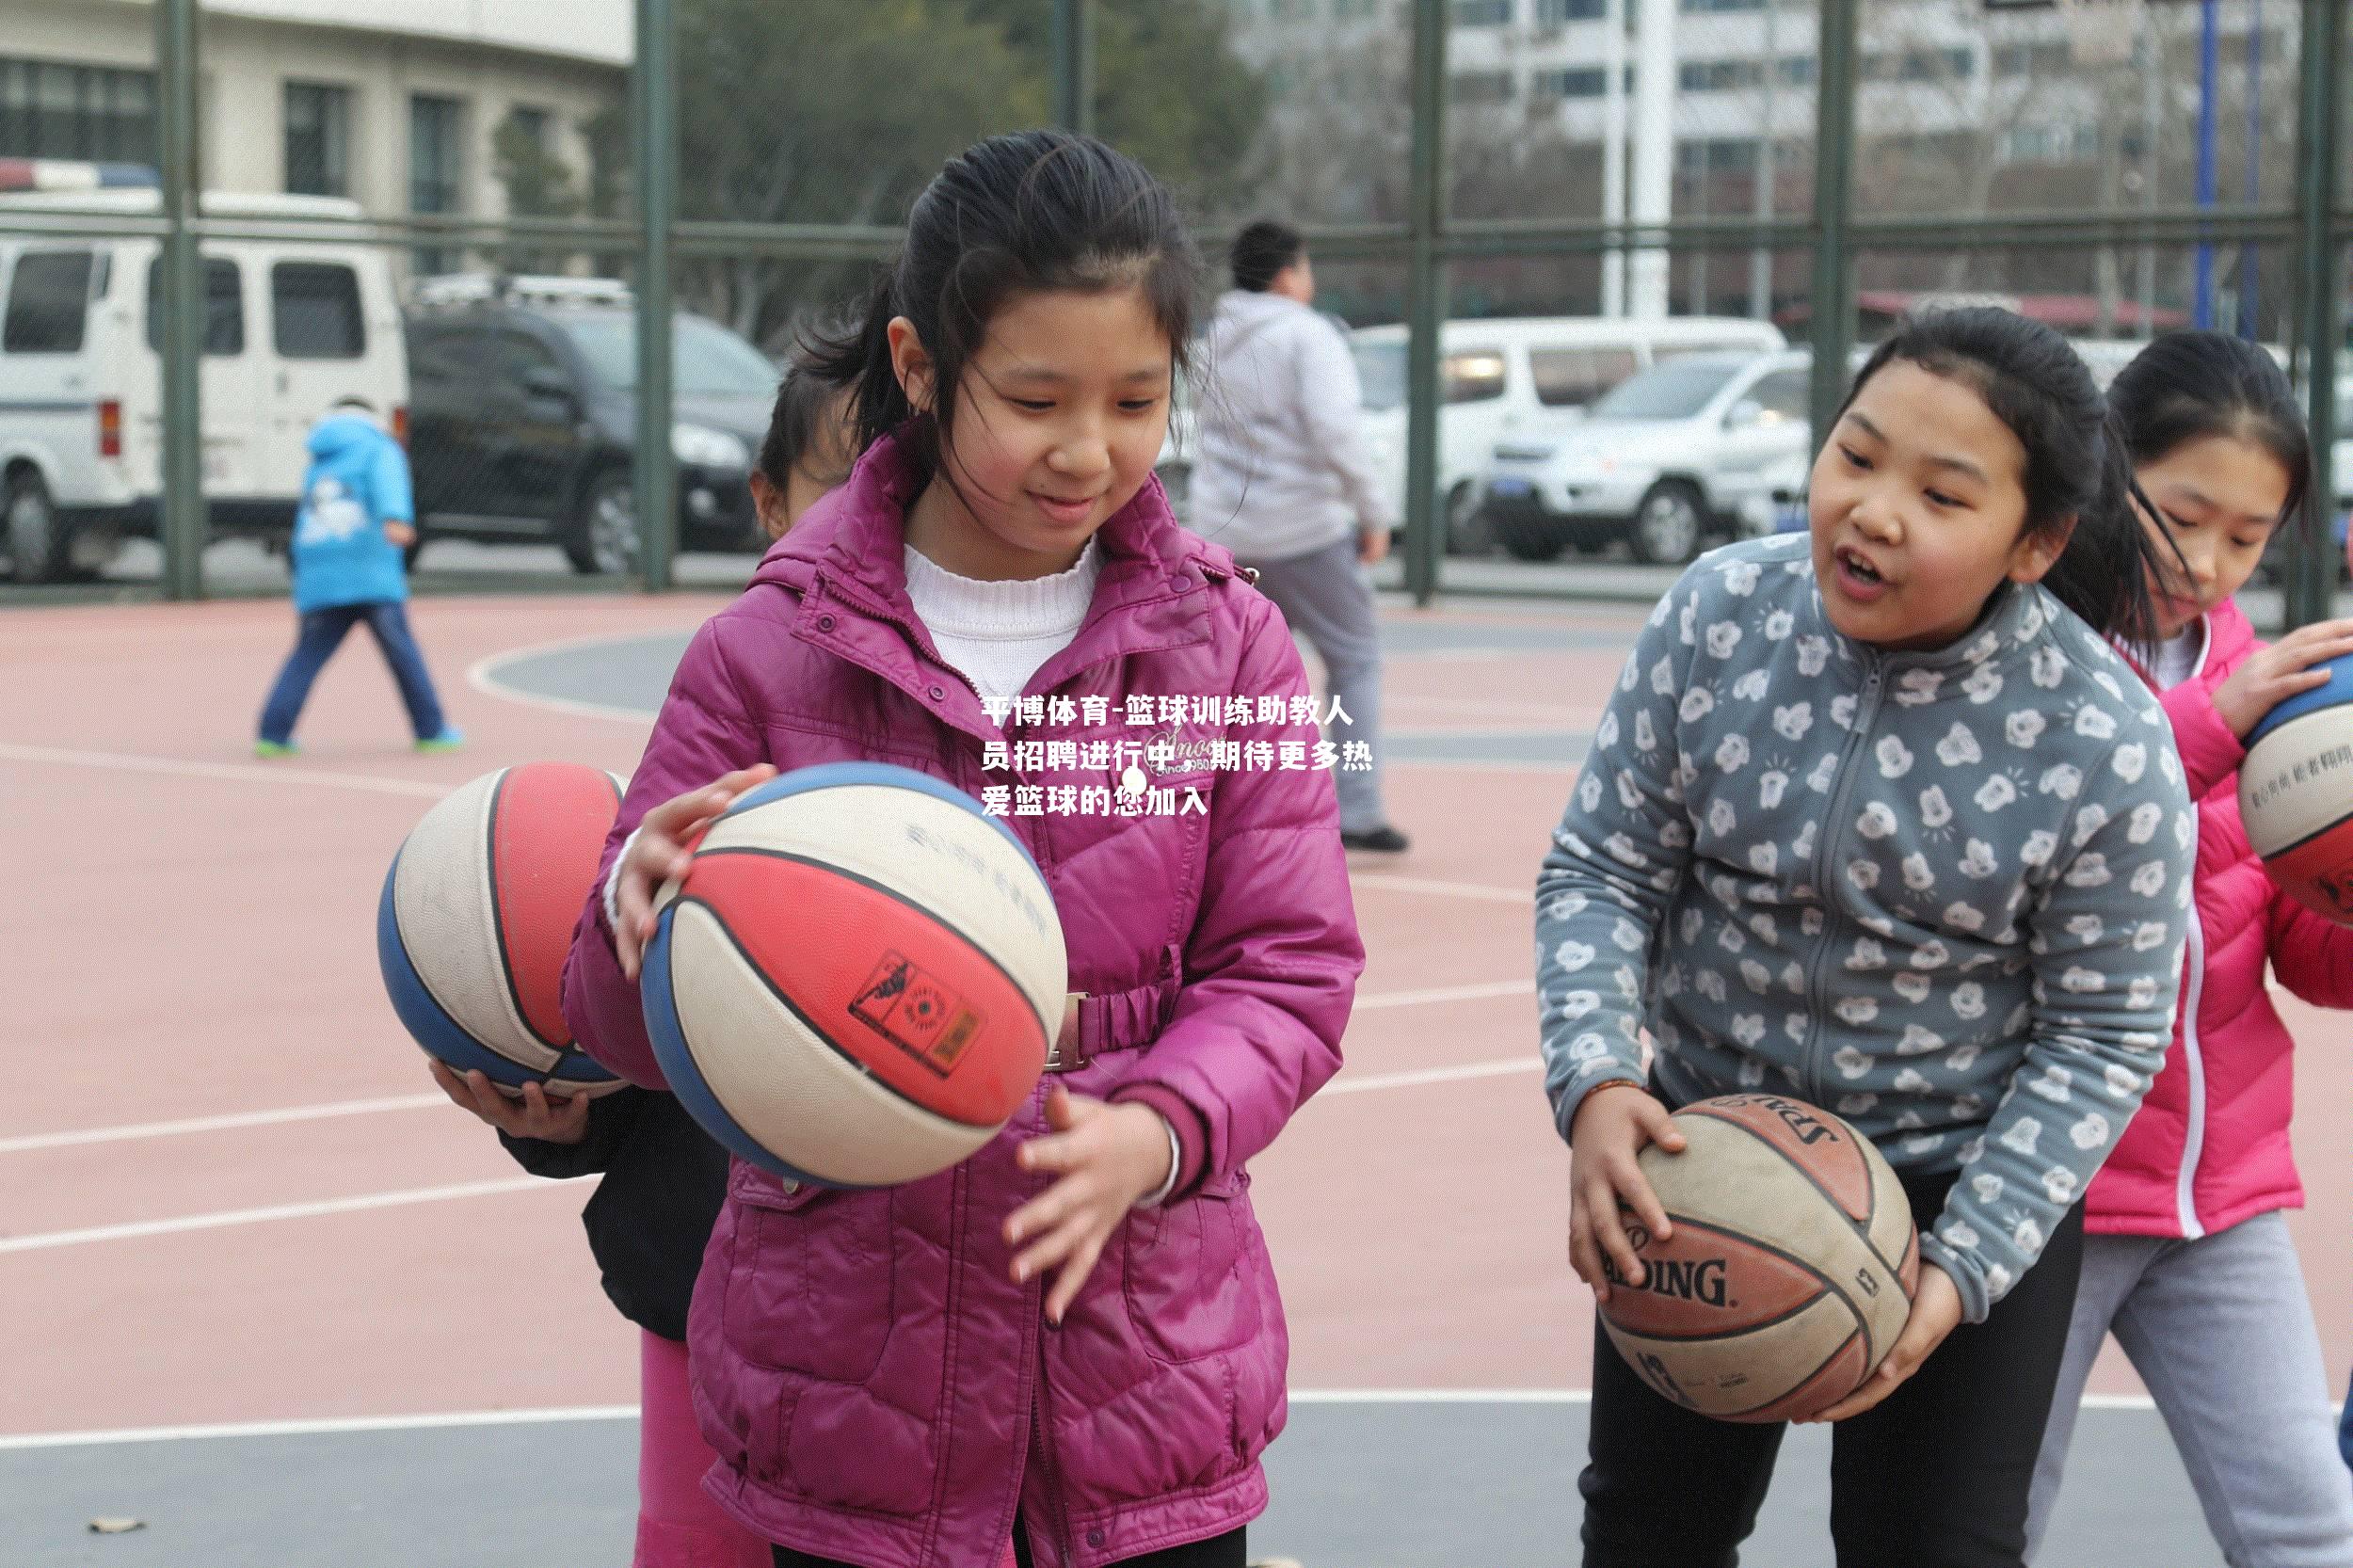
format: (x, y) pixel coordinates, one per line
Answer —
(1878, 818)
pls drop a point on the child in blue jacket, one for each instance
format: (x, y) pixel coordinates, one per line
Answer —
(357, 518)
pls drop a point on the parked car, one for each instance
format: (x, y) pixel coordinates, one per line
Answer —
(525, 419)
(291, 325)
(1501, 378)
(1670, 458)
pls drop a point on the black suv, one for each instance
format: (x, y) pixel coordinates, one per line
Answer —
(524, 416)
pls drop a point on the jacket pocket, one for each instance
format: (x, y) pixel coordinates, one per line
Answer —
(1196, 1273)
(812, 1285)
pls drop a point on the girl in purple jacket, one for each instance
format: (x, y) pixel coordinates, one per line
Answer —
(901, 1378)
(2188, 1260)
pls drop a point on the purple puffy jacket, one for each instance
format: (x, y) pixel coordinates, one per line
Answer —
(877, 1387)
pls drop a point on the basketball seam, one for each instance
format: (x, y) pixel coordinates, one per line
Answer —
(2314, 837)
(980, 948)
(1834, 1354)
(1861, 1228)
(498, 918)
(719, 920)
(1829, 1286)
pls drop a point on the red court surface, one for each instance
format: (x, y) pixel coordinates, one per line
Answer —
(229, 1192)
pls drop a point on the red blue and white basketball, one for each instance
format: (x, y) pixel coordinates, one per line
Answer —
(2296, 793)
(477, 915)
(856, 982)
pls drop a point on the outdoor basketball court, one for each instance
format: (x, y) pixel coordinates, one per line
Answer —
(266, 1291)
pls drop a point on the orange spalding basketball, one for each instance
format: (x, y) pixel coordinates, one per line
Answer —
(1790, 1270)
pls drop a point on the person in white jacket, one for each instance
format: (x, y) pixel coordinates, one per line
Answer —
(1283, 479)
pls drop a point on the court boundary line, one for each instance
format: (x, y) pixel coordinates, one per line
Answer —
(224, 1218)
(231, 1120)
(289, 772)
(443, 1420)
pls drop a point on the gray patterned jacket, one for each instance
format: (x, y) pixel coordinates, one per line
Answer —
(1943, 893)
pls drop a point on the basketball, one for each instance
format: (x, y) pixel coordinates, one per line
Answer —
(856, 982)
(2296, 793)
(1790, 1270)
(477, 915)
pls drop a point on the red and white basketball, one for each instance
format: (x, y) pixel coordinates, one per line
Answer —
(856, 980)
(2296, 793)
(1791, 1267)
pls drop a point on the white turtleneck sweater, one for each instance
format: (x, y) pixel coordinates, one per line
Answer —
(1000, 634)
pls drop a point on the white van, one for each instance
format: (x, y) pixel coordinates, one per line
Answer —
(291, 325)
(1503, 376)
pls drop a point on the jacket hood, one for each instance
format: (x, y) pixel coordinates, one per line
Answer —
(340, 433)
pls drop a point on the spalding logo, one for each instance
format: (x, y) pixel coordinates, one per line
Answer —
(1802, 1119)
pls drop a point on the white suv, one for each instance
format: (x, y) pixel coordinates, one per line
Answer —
(1669, 458)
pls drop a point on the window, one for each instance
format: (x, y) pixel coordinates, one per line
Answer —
(1720, 76)
(1723, 5)
(1482, 13)
(2051, 144)
(50, 110)
(1552, 13)
(514, 356)
(2052, 58)
(318, 139)
(1472, 375)
(436, 168)
(1581, 81)
(1796, 71)
(224, 308)
(1482, 87)
(48, 303)
(1572, 377)
(1353, 10)
(1786, 395)
(315, 311)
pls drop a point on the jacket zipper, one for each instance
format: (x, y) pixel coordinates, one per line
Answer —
(2194, 1131)
(1044, 1448)
(1866, 710)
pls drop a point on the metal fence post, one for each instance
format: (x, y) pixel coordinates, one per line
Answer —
(182, 525)
(1425, 300)
(1074, 65)
(1833, 326)
(2311, 581)
(653, 130)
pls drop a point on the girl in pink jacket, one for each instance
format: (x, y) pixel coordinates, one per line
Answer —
(2188, 1260)
(1073, 1337)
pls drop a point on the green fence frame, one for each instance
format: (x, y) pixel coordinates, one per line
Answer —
(2316, 226)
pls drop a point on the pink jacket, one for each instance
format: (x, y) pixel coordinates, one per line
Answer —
(2209, 1145)
(875, 1385)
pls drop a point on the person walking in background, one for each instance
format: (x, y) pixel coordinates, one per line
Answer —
(356, 519)
(1283, 479)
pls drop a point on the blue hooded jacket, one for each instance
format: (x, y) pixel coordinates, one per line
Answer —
(356, 481)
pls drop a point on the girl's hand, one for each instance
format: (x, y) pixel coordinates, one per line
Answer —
(2280, 672)
(658, 853)
(1935, 1310)
(1109, 1157)
(551, 1119)
(1616, 1123)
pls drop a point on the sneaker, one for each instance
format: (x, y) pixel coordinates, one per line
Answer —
(271, 750)
(1384, 839)
(448, 740)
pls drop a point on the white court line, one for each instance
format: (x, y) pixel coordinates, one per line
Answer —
(340, 1424)
(30, 1142)
(281, 1211)
(1387, 882)
(217, 1124)
(482, 675)
(240, 773)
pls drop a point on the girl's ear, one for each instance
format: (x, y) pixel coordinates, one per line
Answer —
(2039, 550)
(911, 363)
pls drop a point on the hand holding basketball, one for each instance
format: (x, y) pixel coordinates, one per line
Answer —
(1935, 1312)
(561, 1120)
(2274, 673)
(1616, 1123)
(1109, 1157)
(660, 853)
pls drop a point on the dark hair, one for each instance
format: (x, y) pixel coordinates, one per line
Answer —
(1262, 250)
(1018, 213)
(2186, 385)
(2077, 462)
(804, 404)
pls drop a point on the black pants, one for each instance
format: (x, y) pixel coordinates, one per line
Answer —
(1218, 1551)
(1936, 1475)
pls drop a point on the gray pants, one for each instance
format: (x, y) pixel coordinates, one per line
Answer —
(1326, 595)
(2221, 1331)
